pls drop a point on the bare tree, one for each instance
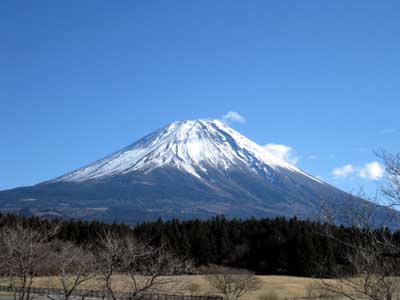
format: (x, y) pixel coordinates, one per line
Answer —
(232, 283)
(149, 268)
(109, 260)
(390, 188)
(371, 267)
(371, 270)
(74, 266)
(24, 254)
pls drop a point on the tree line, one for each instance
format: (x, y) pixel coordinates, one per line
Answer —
(264, 246)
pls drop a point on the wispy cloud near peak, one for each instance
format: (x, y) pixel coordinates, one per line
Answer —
(233, 117)
(283, 152)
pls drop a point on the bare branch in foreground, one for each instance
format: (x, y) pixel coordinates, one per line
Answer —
(232, 283)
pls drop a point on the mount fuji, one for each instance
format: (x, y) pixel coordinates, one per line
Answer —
(187, 169)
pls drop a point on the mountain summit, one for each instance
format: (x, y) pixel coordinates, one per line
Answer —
(189, 146)
(187, 169)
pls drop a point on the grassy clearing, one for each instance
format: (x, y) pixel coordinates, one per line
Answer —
(282, 286)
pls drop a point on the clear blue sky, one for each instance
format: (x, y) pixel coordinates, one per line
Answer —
(81, 79)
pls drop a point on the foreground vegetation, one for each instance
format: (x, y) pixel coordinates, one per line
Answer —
(27, 253)
(164, 257)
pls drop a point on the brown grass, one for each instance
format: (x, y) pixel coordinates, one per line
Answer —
(281, 286)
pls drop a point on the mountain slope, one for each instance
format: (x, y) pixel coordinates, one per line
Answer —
(190, 146)
(187, 169)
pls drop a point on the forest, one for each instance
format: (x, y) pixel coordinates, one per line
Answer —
(263, 246)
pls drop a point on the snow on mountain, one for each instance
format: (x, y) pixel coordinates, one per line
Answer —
(190, 146)
(186, 170)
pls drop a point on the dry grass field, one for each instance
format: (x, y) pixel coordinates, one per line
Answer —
(282, 286)
(285, 287)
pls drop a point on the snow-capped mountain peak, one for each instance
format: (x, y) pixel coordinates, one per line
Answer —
(192, 146)
(185, 170)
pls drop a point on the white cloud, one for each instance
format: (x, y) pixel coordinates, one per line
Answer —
(233, 117)
(343, 172)
(372, 170)
(283, 152)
